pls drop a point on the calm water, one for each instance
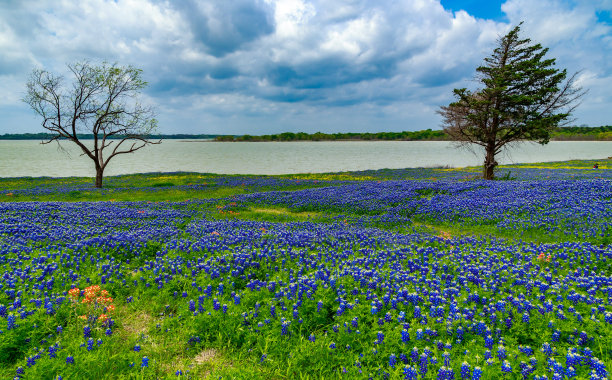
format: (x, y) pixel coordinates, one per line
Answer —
(30, 158)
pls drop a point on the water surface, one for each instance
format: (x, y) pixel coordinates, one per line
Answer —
(30, 158)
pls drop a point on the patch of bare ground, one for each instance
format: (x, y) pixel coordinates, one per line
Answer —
(206, 356)
(137, 324)
(200, 365)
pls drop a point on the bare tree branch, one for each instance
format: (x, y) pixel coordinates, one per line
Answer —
(102, 100)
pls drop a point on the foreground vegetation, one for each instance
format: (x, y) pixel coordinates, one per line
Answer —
(416, 273)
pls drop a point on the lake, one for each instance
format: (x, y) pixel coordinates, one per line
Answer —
(30, 158)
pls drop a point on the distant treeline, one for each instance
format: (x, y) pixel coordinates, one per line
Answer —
(603, 133)
(427, 134)
(574, 133)
(47, 136)
(563, 133)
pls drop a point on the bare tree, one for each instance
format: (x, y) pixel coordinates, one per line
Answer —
(102, 102)
(523, 98)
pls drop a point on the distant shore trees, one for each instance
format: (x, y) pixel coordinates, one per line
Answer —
(523, 97)
(424, 135)
(102, 101)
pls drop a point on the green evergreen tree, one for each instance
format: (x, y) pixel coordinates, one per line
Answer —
(523, 97)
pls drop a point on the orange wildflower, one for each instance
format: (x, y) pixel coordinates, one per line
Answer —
(541, 256)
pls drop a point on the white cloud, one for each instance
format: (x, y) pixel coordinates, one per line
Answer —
(550, 22)
(361, 61)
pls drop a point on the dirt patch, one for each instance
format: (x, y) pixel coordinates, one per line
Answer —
(138, 324)
(206, 356)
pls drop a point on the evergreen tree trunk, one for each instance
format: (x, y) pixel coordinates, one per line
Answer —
(490, 163)
(99, 174)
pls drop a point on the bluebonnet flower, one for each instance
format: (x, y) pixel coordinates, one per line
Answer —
(388, 317)
(477, 373)
(460, 333)
(284, 327)
(506, 367)
(410, 373)
(392, 360)
(442, 375)
(466, 370)
(405, 336)
(11, 322)
(145, 362)
(53, 351)
(419, 334)
(446, 357)
(31, 360)
(599, 367)
(423, 364)
(69, 359)
(401, 316)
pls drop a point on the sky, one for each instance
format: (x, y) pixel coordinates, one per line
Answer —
(270, 66)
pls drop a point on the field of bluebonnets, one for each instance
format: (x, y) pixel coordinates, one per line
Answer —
(403, 274)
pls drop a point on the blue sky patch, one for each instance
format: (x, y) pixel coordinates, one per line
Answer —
(485, 9)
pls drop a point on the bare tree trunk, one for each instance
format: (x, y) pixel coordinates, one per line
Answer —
(99, 174)
(490, 163)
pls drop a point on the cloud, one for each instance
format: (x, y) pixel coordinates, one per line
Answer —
(225, 26)
(290, 64)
